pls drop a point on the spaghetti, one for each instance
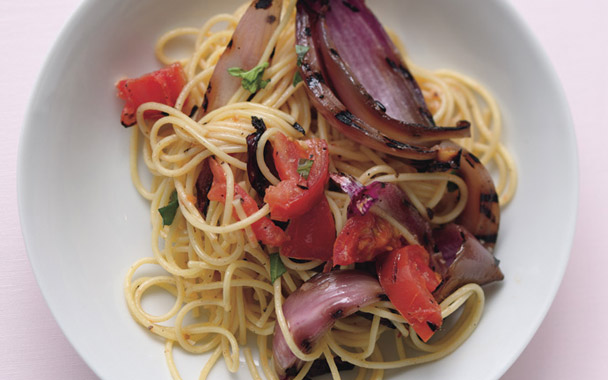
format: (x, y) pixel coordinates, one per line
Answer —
(215, 268)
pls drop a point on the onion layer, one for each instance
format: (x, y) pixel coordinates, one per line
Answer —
(244, 50)
(357, 81)
(312, 310)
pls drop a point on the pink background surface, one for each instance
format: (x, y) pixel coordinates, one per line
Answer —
(571, 343)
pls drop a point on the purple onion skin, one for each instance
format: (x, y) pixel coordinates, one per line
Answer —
(244, 50)
(331, 108)
(313, 309)
(461, 260)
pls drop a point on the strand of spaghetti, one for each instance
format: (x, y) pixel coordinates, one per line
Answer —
(161, 282)
(263, 350)
(210, 363)
(133, 149)
(253, 370)
(169, 360)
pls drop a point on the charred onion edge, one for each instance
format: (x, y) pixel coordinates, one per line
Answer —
(326, 102)
(421, 128)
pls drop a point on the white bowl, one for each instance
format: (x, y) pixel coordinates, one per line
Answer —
(84, 224)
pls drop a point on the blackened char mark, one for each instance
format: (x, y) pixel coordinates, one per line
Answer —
(487, 212)
(380, 105)
(193, 111)
(346, 117)
(229, 44)
(490, 239)
(315, 79)
(203, 184)
(298, 128)
(337, 314)
(320, 367)
(258, 124)
(489, 197)
(350, 6)
(263, 4)
(306, 346)
(271, 19)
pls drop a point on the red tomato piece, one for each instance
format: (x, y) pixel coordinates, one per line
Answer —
(161, 86)
(362, 238)
(264, 229)
(311, 235)
(408, 281)
(296, 193)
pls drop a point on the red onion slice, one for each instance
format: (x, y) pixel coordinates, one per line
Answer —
(370, 78)
(332, 109)
(312, 310)
(481, 214)
(463, 259)
(244, 50)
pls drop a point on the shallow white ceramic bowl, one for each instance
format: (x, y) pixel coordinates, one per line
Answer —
(84, 224)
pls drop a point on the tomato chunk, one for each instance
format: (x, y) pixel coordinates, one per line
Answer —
(297, 193)
(311, 235)
(161, 86)
(408, 281)
(264, 229)
(362, 238)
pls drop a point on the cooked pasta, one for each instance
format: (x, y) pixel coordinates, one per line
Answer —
(216, 269)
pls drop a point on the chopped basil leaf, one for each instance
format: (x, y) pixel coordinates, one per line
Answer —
(297, 78)
(301, 51)
(168, 212)
(276, 267)
(252, 79)
(304, 166)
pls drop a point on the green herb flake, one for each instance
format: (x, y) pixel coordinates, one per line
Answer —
(304, 166)
(168, 212)
(301, 51)
(252, 79)
(297, 78)
(276, 267)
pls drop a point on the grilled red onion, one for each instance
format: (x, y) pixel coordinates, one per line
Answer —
(368, 75)
(461, 260)
(481, 215)
(332, 109)
(312, 309)
(243, 51)
(353, 65)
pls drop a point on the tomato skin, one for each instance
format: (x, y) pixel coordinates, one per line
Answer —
(295, 195)
(408, 281)
(362, 238)
(161, 86)
(264, 229)
(311, 235)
